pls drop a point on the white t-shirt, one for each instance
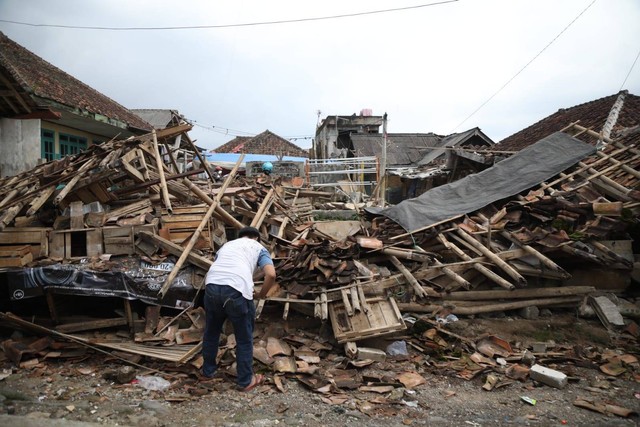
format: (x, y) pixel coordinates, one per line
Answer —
(235, 264)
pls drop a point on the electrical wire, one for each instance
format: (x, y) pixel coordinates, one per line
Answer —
(630, 70)
(246, 24)
(235, 132)
(523, 68)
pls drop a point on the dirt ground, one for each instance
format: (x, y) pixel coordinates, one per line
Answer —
(64, 392)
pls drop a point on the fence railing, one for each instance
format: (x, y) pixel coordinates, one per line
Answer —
(360, 172)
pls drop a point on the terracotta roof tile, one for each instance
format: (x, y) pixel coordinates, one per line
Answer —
(44, 80)
(592, 114)
(265, 143)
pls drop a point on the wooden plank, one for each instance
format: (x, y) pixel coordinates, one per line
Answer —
(37, 203)
(346, 302)
(14, 251)
(76, 215)
(20, 261)
(92, 324)
(14, 236)
(101, 193)
(94, 242)
(57, 244)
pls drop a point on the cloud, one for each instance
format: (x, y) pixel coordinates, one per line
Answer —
(429, 68)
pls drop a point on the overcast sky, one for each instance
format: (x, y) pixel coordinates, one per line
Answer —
(429, 68)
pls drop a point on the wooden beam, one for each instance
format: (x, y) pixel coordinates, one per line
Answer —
(196, 233)
(163, 181)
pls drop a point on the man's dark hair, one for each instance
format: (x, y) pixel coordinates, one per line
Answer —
(249, 232)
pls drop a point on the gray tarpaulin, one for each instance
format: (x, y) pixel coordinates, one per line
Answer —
(523, 170)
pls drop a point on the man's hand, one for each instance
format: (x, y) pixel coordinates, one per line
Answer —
(269, 281)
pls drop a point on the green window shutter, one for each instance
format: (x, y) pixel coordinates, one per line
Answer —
(47, 144)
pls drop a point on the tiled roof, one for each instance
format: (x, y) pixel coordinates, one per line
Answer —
(46, 81)
(592, 114)
(265, 143)
(403, 149)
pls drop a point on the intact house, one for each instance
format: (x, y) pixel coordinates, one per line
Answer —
(415, 161)
(287, 158)
(47, 114)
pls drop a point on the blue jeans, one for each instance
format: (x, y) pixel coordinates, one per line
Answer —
(220, 303)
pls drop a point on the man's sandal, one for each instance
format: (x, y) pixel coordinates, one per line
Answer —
(256, 380)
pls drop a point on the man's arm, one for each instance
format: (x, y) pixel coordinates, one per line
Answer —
(269, 280)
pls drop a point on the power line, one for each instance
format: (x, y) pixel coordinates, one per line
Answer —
(523, 68)
(630, 69)
(235, 132)
(245, 24)
(224, 131)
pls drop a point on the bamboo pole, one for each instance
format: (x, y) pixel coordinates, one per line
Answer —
(488, 308)
(196, 233)
(493, 257)
(479, 267)
(406, 254)
(408, 276)
(519, 293)
(541, 257)
(163, 181)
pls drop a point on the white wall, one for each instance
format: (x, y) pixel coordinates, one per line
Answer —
(19, 145)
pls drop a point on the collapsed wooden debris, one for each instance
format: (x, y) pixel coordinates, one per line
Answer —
(128, 199)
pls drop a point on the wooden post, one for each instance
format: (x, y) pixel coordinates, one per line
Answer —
(163, 181)
(196, 234)
(383, 162)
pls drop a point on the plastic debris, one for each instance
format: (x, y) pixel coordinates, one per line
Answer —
(397, 348)
(152, 382)
(529, 400)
